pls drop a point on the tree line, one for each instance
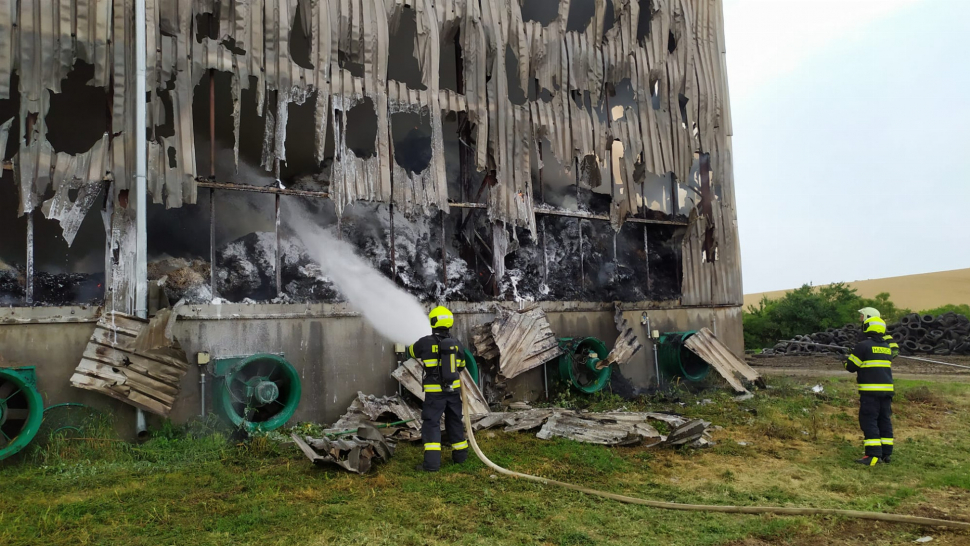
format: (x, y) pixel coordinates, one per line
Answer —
(812, 309)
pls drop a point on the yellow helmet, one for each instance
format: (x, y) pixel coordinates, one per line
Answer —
(441, 317)
(874, 325)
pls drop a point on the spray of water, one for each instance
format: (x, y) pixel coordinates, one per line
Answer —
(394, 313)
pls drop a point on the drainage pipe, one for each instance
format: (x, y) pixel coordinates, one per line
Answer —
(780, 510)
(141, 193)
(202, 393)
(141, 167)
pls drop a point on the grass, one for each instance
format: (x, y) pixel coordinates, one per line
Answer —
(195, 485)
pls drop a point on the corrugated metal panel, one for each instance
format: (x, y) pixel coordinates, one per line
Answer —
(49, 35)
(705, 345)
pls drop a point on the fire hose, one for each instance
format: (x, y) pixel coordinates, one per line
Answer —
(780, 510)
(841, 348)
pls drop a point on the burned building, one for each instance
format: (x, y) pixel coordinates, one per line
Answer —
(482, 154)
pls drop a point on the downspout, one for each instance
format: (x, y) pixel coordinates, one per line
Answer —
(141, 145)
(141, 195)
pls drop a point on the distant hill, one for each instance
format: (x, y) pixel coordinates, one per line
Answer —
(916, 292)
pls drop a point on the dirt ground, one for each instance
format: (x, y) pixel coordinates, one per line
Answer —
(829, 365)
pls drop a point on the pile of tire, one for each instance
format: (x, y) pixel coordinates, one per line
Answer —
(946, 334)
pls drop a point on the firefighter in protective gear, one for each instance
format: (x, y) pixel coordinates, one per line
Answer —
(867, 313)
(444, 359)
(871, 361)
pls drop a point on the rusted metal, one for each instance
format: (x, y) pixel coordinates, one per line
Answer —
(212, 124)
(212, 241)
(390, 212)
(444, 254)
(261, 189)
(212, 178)
(279, 243)
(542, 227)
(674, 196)
(279, 251)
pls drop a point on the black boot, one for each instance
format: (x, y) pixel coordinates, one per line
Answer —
(869, 460)
(420, 468)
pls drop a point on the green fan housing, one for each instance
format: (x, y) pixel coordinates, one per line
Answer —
(21, 409)
(577, 365)
(676, 360)
(257, 393)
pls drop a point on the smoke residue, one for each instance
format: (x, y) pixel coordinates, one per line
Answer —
(394, 313)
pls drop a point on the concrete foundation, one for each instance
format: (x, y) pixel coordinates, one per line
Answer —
(335, 351)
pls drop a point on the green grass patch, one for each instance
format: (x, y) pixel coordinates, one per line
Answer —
(786, 446)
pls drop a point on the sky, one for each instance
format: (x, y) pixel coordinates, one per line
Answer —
(851, 136)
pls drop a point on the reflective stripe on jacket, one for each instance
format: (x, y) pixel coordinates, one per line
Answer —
(871, 361)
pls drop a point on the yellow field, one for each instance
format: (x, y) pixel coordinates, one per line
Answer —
(916, 292)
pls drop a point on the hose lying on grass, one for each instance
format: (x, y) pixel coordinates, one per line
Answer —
(785, 511)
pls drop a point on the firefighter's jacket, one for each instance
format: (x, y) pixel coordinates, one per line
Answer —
(443, 359)
(871, 361)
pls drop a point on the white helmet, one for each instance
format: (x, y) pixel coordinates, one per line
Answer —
(868, 313)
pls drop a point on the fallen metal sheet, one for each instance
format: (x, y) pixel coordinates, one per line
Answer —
(610, 428)
(715, 353)
(368, 409)
(687, 433)
(356, 453)
(627, 344)
(410, 375)
(135, 361)
(520, 340)
(596, 429)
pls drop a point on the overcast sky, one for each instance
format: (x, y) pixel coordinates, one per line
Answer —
(851, 138)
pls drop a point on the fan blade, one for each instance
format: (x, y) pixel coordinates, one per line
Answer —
(10, 396)
(6, 388)
(17, 414)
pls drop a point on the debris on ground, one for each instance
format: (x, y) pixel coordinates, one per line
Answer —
(135, 361)
(371, 410)
(519, 340)
(595, 429)
(705, 345)
(354, 453)
(610, 429)
(411, 373)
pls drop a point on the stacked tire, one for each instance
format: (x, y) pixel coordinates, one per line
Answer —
(946, 334)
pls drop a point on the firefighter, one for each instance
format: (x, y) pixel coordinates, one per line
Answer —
(443, 358)
(871, 361)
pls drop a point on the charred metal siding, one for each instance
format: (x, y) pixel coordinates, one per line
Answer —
(677, 72)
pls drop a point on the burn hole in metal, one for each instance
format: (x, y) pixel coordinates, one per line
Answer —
(643, 24)
(206, 26)
(402, 62)
(580, 15)
(516, 94)
(361, 128)
(300, 39)
(77, 118)
(412, 141)
(544, 12)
